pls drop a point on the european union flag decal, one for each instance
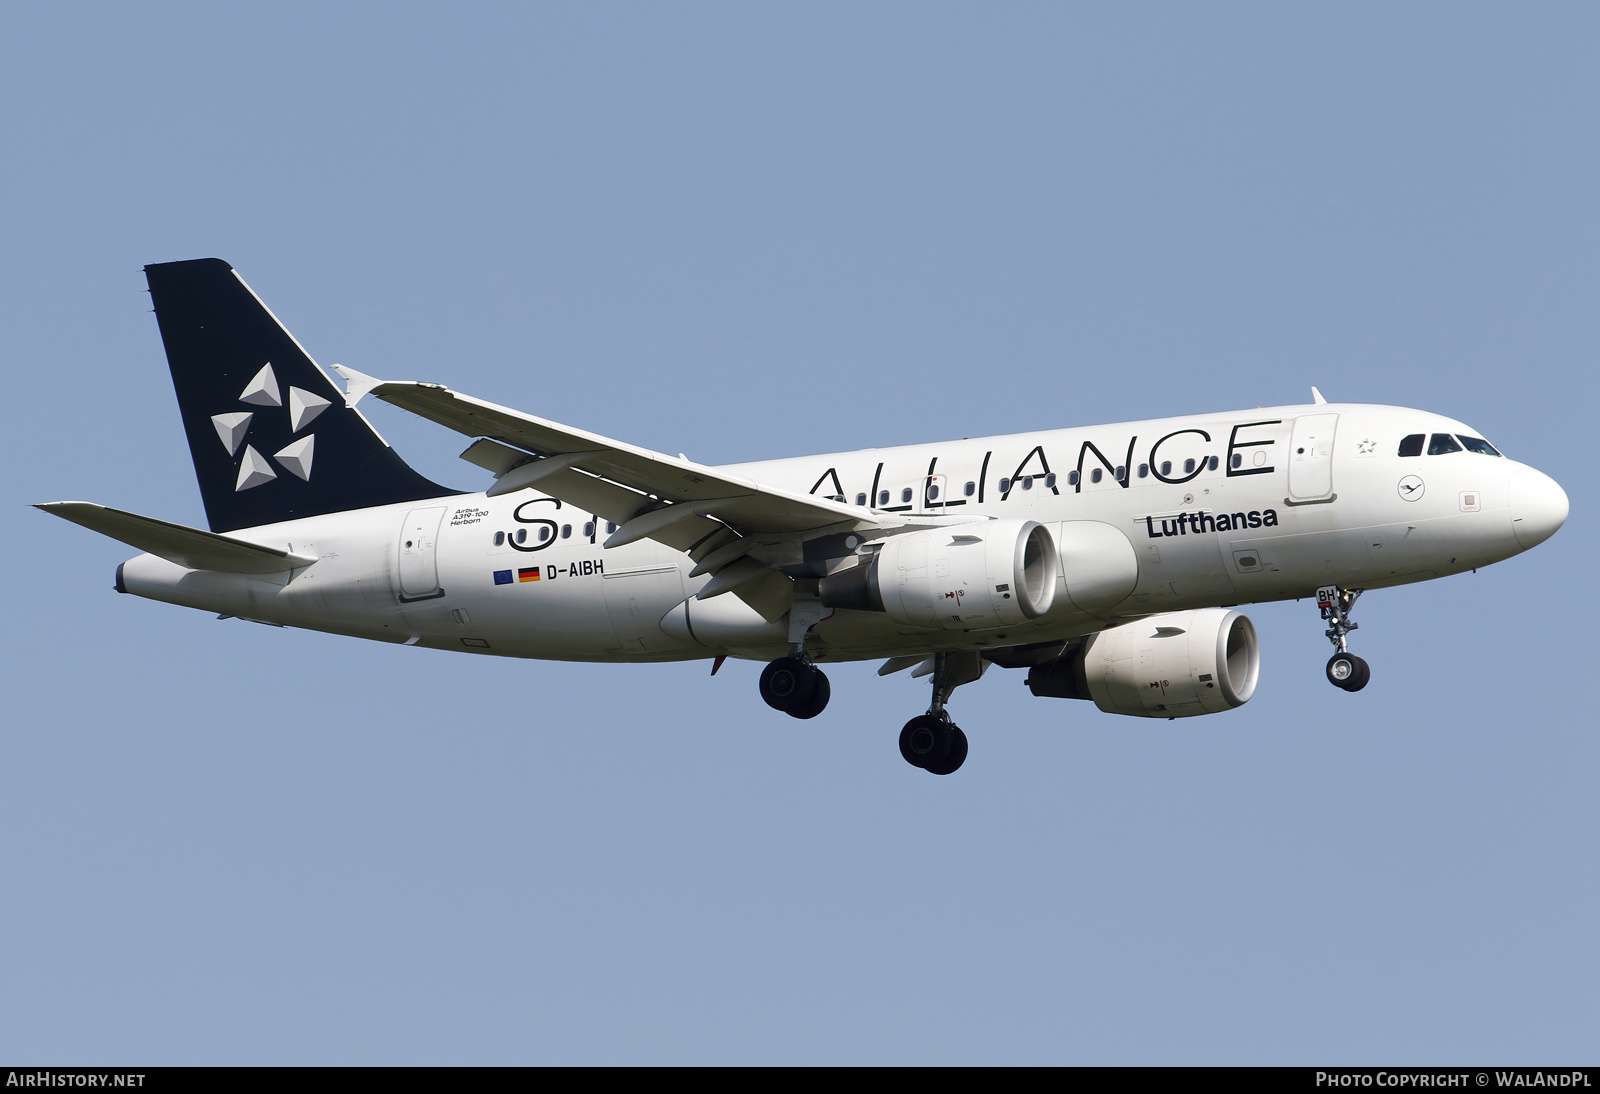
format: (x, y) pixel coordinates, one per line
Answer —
(502, 577)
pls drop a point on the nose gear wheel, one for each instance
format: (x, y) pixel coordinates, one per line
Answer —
(1345, 669)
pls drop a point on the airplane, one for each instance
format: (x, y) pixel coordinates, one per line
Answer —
(1107, 561)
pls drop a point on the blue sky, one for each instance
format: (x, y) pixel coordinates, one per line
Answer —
(745, 233)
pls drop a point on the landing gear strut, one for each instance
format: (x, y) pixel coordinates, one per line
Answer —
(793, 684)
(1345, 669)
(931, 741)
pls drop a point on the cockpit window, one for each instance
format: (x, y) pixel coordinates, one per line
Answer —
(1412, 445)
(1441, 443)
(1478, 445)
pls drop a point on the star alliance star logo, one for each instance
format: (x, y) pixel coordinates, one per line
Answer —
(295, 457)
(1366, 448)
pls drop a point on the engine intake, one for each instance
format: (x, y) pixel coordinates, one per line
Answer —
(995, 573)
(1168, 666)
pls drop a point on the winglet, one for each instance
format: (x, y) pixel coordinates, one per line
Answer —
(356, 384)
(1316, 396)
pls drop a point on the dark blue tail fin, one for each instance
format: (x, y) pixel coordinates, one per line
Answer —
(271, 437)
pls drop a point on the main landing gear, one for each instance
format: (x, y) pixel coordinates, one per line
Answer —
(793, 684)
(1345, 669)
(931, 741)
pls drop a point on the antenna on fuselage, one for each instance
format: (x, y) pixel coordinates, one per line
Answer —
(1316, 396)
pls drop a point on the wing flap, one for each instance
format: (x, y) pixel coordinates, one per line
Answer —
(617, 504)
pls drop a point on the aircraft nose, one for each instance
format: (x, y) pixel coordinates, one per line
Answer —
(1538, 506)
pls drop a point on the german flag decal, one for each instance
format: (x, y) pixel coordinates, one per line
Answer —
(528, 573)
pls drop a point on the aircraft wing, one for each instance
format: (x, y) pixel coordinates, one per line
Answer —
(648, 494)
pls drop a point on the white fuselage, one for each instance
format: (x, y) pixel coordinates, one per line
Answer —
(1218, 509)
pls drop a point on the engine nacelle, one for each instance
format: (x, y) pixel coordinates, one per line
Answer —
(1168, 666)
(993, 573)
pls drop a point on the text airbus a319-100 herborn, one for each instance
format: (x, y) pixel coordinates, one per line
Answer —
(1104, 560)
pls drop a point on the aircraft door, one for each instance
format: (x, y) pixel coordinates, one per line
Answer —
(933, 493)
(419, 560)
(1311, 456)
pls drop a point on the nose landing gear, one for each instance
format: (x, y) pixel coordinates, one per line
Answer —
(1345, 669)
(931, 741)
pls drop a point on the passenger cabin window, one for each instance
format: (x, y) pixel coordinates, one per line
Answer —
(933, 491)
(522, 535)
(883, 497)
(970, 489)
(1096, 475)
(1412, 444)
(1478, 445)
(905, 495)
(1122, 473)
(1050, 480)
(1005, 485)
(1144, 471)
(1166, 467)
(1213, 463)
(499, 539)
(861, 499)
(1237, 461)
(611, 526)
(1027, 482)
(588, 528)
(566, 531)
(1188, 467)
(1441, 444)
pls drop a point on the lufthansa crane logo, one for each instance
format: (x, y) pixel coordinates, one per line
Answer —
(294, 457)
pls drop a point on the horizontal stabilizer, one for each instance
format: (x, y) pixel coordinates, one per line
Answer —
(188, 547)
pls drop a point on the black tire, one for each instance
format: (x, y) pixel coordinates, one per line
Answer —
(1347, 671)
(820, 693)
(787, 683)
(958, 754)
(1362, 677)
(926, 740)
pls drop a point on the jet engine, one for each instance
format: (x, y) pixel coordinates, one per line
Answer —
(1167, 666)
(993, 573)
